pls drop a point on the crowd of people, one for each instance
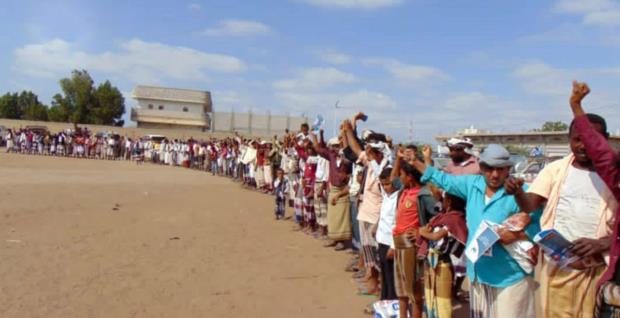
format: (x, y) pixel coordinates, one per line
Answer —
(412, 228)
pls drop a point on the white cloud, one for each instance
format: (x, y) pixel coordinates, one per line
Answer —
(583, 6)
(315, 79)
(542, 79)
(595, 12)
(334, 57)
(409, 73)
(462, 110)
(140, 61)
(363, 99)
(565, 33)
(194, 6)
(354, 4)
(381, 109)
(615, 71)
(470, 101)
(603, 18)
(577, 34)
(226, 100)
(238, 28)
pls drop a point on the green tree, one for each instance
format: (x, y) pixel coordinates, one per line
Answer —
(24, 105)
(554, 126)
(30, 107)
(61, 109)
(9, 107)
(81, 102)
(109, 107)
(78, 97)
(36, 111)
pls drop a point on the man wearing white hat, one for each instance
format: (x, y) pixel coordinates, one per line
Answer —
(462, 159)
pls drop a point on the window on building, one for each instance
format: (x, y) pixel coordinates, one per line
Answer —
(161, 107)
(185, 109)
(150, 106)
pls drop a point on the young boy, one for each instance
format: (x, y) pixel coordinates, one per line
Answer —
(408, 219)
(390, 190)
(441, 241)
(308, 181)
(280, 186)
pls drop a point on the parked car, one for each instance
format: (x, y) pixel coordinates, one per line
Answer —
(532, 169)
(520, 162)
(154, 138)
(41, 130)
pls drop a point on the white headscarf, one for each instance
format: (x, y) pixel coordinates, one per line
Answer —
(377, 168)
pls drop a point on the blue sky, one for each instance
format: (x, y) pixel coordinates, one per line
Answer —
(441, 65)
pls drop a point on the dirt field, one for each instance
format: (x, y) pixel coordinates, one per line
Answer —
(84, 238)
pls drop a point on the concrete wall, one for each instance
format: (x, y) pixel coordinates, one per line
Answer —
(132, 132)
(255, 124)
(147, 125)
(263, 125)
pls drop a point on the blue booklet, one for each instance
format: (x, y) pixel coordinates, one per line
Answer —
(483, 240)
(556, 246)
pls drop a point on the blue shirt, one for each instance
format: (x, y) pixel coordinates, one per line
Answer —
(499, 270)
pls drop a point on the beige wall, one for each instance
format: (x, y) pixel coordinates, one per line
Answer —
(131, 132)
(168, 131)
(258, 124)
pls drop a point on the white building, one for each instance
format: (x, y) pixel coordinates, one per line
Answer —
(552, 143)
(161, 107)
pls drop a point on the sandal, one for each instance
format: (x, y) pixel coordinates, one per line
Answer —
(372, 293)
(340, 247)
(352, 268)
(330, 244)
(369, 310)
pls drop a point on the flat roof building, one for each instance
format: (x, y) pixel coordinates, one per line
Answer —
(162, 107)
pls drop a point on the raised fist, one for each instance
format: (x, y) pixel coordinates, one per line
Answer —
(513, 185)
(580, 91)
(346, 125)
(427, 151)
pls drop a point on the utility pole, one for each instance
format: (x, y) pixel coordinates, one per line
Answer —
(335, 120)
(410, 131)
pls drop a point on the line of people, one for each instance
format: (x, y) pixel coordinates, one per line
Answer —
(412, 228)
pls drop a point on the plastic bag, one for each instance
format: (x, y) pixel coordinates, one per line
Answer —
(386, 309)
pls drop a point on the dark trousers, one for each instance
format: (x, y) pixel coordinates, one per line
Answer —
(388, 291)
(355, 224)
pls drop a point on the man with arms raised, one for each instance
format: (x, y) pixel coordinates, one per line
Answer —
(579, 205)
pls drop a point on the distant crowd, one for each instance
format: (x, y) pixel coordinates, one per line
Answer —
(422, 238)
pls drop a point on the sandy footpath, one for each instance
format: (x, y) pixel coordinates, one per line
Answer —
(85, 238)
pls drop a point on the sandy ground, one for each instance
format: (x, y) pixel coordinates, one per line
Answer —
(67, 253)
